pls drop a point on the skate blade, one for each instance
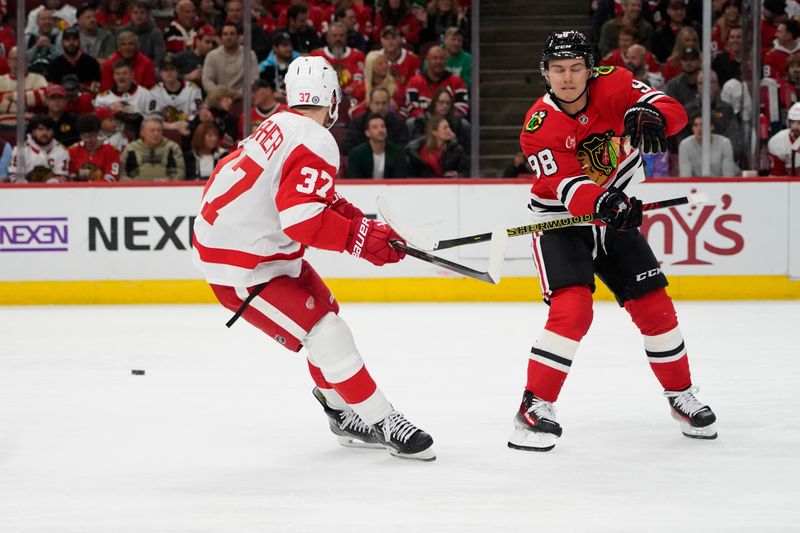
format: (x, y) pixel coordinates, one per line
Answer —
(531, 441)
(425, 455)
(705, 433)
(350, 442)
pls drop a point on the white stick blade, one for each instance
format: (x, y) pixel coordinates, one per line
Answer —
(697, 198)
(497, 253)
(412, 237)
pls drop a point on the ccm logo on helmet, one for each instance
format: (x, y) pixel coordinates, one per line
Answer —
(648, 274)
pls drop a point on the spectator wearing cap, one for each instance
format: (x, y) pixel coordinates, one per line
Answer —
(728, 63)
(44, 43)
(355, 39)
(785, 44)
(730, 18)
(458, 61)
(683, 87)
(664, 36)
(274, 67)
(377, 103)
(74, 61)
(190, 62)
(259, 41)
(264, 104)
(773, 12)
(65, 122)
(35, 85)
(152, 157)
(46, 160)
(398, 13)
(181, 31)
(403, 63)
(304, 36)
(79, 99)
(420, 88)
(111, 128)
(96, 41)
(144, 71)
(377, 158)
(149, 36)
(348, 62)
(224, 66)
(631, 17)
(205, 152)
(176, 100)
(92, 159)
(65, 15)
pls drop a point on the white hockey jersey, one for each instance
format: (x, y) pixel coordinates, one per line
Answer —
(138, 97)
(185, 101)
(53, 156)
(281, 175)
(785, 159)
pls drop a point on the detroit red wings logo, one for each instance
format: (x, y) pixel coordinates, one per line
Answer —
(599, 155)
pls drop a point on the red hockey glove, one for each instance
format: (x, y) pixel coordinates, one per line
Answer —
(645, 125)
(345, 208)
(370, 240)
(619, 211)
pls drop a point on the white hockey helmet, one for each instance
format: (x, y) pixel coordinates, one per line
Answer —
(793, 114)
(311, 80)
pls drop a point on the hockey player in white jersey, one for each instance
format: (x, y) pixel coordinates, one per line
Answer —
(784, 146)
(263, 205)
(46, 160)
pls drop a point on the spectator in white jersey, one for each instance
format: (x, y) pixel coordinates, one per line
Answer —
(46, 160)
(176, 100)
(129, 100)
(253, 255)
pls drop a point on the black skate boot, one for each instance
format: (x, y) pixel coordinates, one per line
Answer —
(696, 418)
(404, 439)
(535, 426)
(348, 427)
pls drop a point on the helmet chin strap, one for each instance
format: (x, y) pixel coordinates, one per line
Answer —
(556, 98)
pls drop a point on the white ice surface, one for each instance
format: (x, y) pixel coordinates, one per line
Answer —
(222, 434)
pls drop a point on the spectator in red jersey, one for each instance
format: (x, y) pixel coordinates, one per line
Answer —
(111, 14)
(95, 40)
(774, 11)
(437, 154)
(363, 17)
(205, 152)
(348, 62)
(631, 18)
(442, 106)
(35, 85)
(403, 63)
(66, 123)
(377, 74)
(181, 31)
(92, 159)
(397, 13)
(665, 35)
(79, 99)
(727, 64)
(786, 43)
(730, 18)
(687, 38)
(259, 41)
(263, 17)
(420, 88)
(149, 36)
(319, 15)
(144, 71)
(209, 15)
(74, 61)
(264, 105)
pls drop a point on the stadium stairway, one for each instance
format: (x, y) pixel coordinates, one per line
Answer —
(512, 34)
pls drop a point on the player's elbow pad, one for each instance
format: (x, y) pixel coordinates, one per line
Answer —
(326, 231)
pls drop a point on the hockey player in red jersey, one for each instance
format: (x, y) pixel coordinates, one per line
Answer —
(583, 141)
(263, 205)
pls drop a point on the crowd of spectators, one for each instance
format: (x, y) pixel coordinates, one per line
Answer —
(153, 89)
(660, 42)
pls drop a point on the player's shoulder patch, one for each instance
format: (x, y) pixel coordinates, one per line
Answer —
(603, 71)
(536, 121)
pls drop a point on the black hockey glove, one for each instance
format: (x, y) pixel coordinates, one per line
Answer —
(619, 211)
(645, 125)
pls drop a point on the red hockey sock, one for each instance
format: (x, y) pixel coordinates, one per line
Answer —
(655, 317)
(552, 354)
(316, 375)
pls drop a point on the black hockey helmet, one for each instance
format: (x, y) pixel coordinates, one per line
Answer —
(569, 44)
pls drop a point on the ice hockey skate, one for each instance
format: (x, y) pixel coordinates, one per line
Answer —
(348, 427)
(403, 439)
(535, 426)
(696, 418)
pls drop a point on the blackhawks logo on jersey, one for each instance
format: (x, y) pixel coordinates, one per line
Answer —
(604, 71)
(599, 155)
(536, 121)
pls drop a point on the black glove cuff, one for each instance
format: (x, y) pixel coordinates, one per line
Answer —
(650, 109)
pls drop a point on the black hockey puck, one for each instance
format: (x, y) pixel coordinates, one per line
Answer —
(137, 372)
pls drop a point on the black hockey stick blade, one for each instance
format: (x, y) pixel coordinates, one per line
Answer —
(429, 244)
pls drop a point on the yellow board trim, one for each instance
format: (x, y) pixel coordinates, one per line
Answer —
(380, 290)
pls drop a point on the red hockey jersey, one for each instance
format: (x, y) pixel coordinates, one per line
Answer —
(349, 67)
(575, 158)
(100, 165)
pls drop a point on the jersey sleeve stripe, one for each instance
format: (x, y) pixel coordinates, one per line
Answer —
(300, 213)
(651, 97)
(567, 187)
(240, 259)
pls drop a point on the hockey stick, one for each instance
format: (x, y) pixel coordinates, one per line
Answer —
(498, 238)
(423, 242)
